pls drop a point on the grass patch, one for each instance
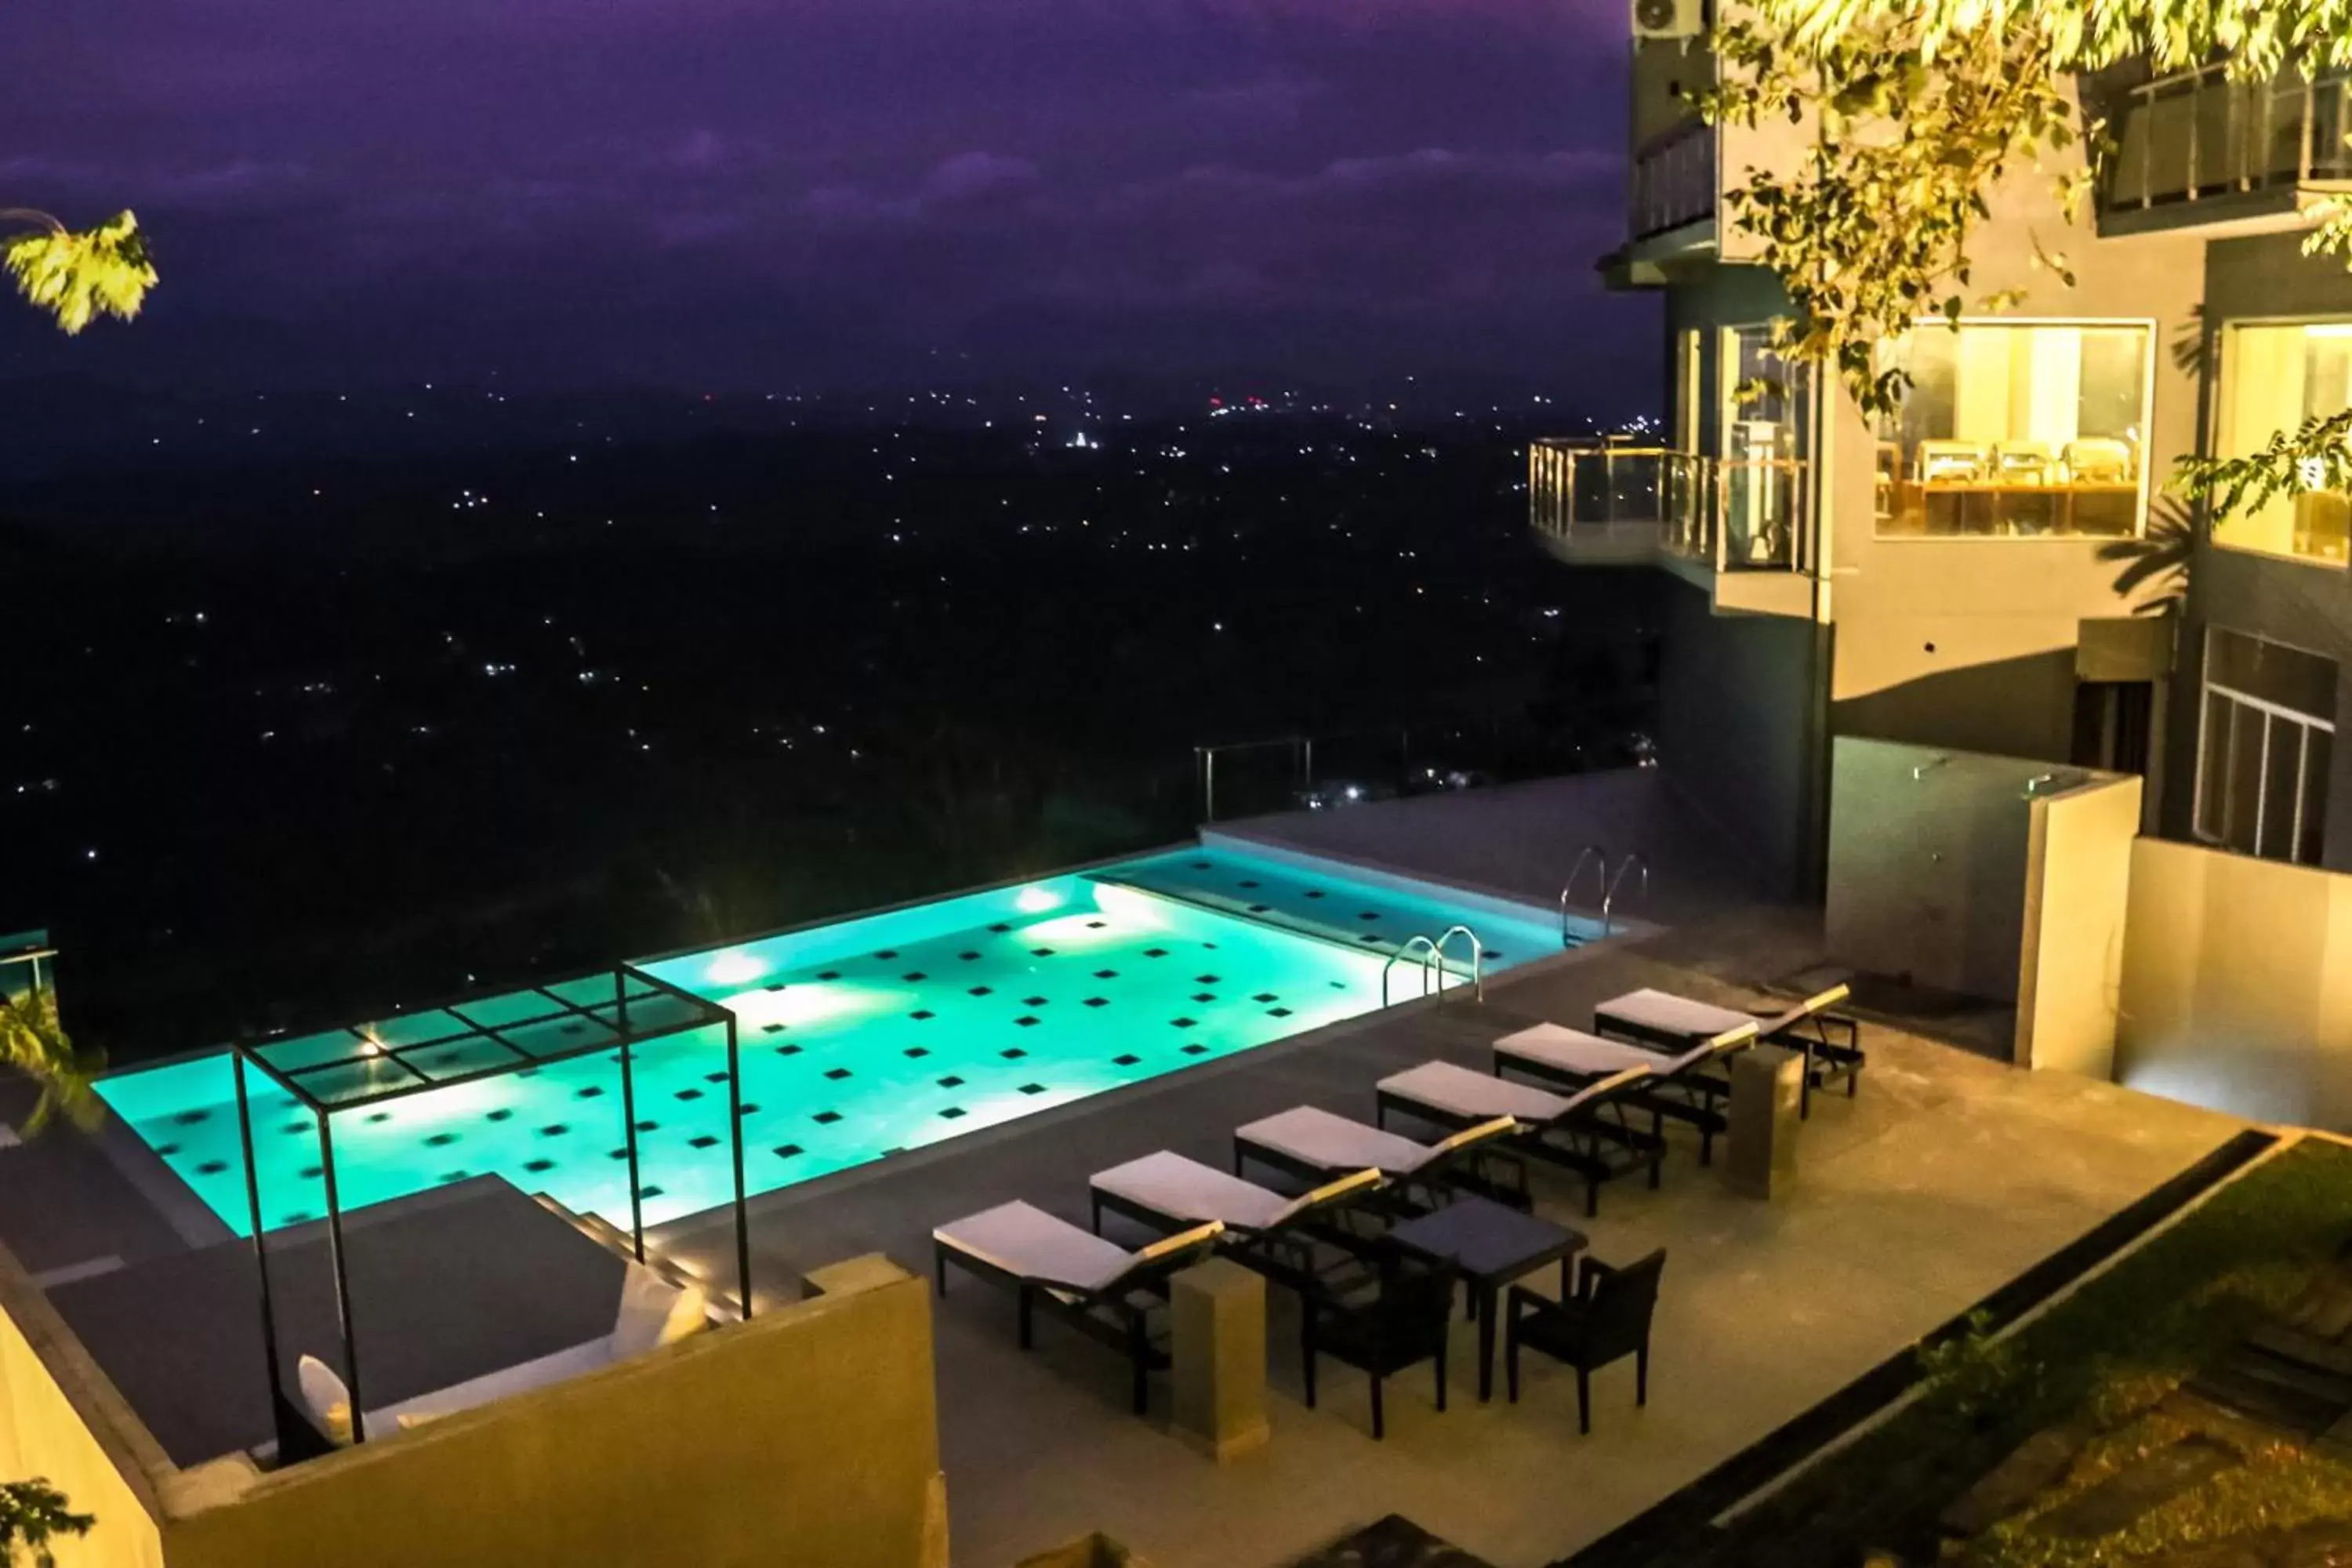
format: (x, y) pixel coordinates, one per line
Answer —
(2103, 1360)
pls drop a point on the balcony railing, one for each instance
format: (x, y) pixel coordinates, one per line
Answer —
(2197, 136)
(1674, 181)
(1612, 501)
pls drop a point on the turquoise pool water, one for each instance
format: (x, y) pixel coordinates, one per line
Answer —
(860, 1038)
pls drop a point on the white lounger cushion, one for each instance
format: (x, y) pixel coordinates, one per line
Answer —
(1030, 1244)
(1443, 1086)
(1574, 1051)
(1332, 1143)
(1671, 1015)
(1181, 1188)
(490, 1386)
(1456, 1091)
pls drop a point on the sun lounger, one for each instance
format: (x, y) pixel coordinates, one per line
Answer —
(1585, 1133)
(1316, 1145)
(1100, 1287)
(1831, 1042)
(1169, 1192)
(1679, 1086)
(1268, 1231)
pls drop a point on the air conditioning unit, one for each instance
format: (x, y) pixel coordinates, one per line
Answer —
(1669, 19)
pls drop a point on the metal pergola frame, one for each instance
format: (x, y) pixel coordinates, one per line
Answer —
(373, 1055)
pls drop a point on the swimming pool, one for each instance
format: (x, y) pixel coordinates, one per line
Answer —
(863, 1037)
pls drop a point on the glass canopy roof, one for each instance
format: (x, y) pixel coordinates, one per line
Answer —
(479, 1037)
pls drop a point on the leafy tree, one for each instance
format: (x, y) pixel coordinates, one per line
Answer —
(32, 1514)
(78, 275)
(34, 1042)
(1920, 107)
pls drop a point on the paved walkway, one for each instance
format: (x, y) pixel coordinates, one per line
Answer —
(1949, 1175)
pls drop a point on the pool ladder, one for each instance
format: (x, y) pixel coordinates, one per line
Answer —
(1433, 957)
(1598, 858)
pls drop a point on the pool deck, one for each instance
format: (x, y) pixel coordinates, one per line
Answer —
(1949, 1175)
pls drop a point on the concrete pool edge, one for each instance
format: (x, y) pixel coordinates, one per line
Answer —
(1393, 877)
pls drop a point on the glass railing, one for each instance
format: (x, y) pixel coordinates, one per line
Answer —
(1674, 181)
(1610, 498)
(2198, 135)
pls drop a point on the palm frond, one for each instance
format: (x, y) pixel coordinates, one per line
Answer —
(2159, 559)
(80, 275)
(33, 1041)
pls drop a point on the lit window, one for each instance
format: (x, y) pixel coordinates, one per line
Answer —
(2017, 430)
(1766, 435)
(2274, 377)
(2268, 732)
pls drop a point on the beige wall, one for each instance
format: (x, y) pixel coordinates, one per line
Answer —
(1910, 609)
(808, 1435)
(2236, 985)
(2077, 888)
(1926, 874)
(47, 1432)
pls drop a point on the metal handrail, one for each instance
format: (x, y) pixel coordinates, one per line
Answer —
(1674, 180)
(1567, 888)
(1609, 899)
(1429, 952)
(1477, 974)
(2219, 136)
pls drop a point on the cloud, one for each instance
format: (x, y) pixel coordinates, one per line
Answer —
(911, 167)
(977, 177)
(1261, 104)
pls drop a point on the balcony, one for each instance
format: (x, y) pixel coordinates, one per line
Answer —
(1740, 529)
(2198, 148)
(1674, 182)
(1670, 206)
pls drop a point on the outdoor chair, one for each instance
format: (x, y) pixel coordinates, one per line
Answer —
(1316, 1145)
(1831, 1042)
(1607, 1320)
(1403, 1326)
(1265, 1230)
(1678, 1087)
(1586, 1134)
(1098, 1287)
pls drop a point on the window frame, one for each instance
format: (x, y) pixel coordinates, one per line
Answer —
(2148, 324)
(2224, 349)
(2273, 713)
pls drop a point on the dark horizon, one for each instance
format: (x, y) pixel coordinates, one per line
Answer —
(706, 196)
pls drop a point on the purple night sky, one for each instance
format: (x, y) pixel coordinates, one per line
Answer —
(759, 192)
